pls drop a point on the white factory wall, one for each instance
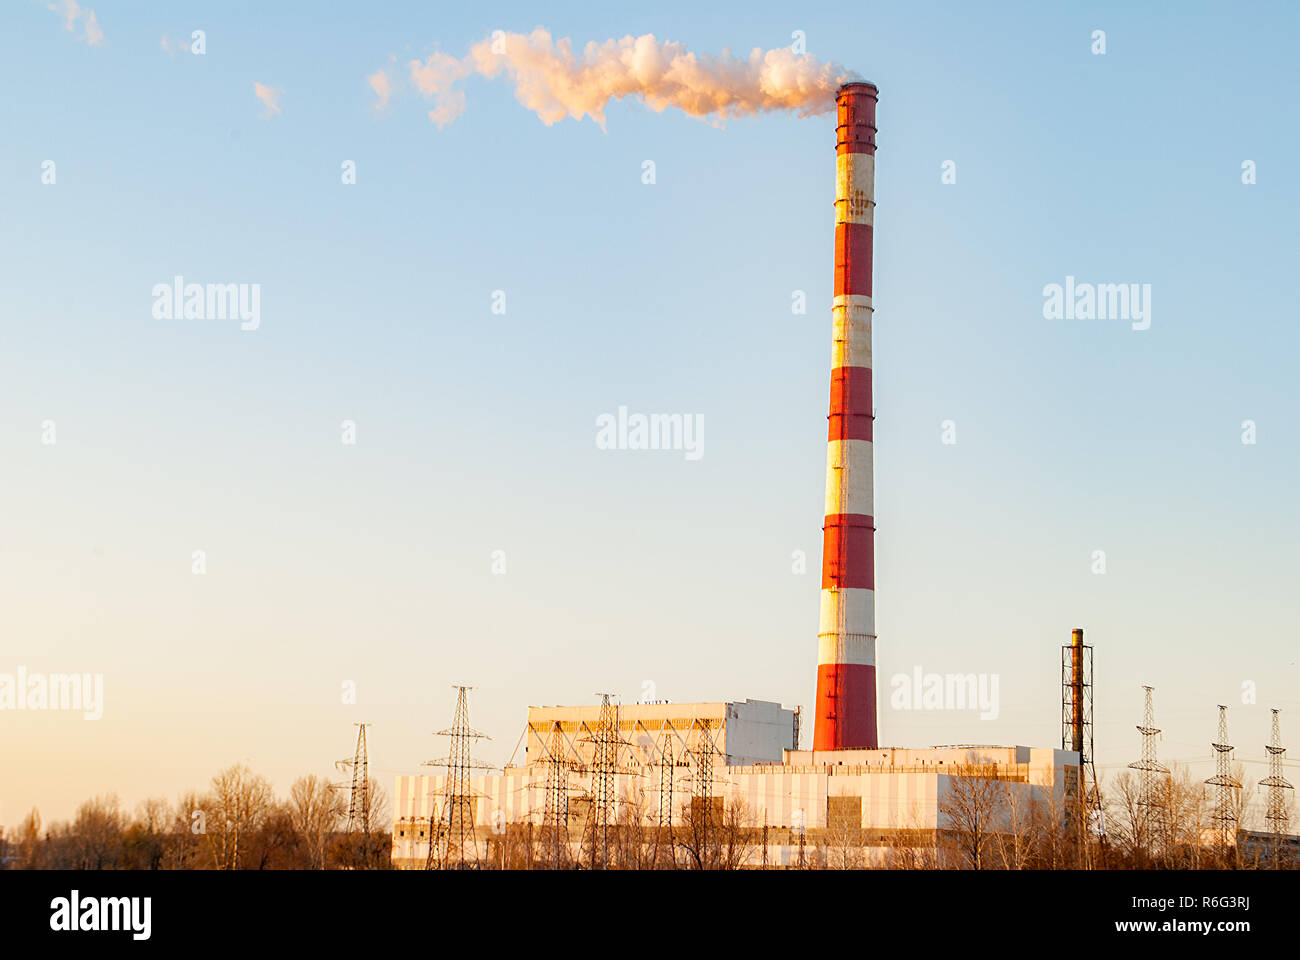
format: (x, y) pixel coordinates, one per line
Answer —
(758, 731)
(900, 789)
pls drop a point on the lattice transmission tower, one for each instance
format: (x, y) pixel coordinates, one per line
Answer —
(1150, 774)
(665, 855)
(606, 741)
(451, 829)
(1149, 767)
(359, 798)
(1276, 813)
(555, 815)
(1225, 811)
(359, 794)
(702, 783)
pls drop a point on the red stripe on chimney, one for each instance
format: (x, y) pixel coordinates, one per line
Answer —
(846, 707)
(853, 259)
(849, 551)
(850, 416)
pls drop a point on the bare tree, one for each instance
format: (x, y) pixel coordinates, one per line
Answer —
(1182, 820)
(634, 852)
(153, 814)
(379, 845)
(237, 805)
(844, 836)
(1132, 825)
(914, 845)
(145, 841)
(94, 839)
(29, 841)
(738, 838)
(315, 809)
(1242, 806)
(1054, 832)
(699, 834)
(275, 844)
(515, 846)
(1170, 829)
(1014, 847)
(971, 809)
(186, 843)
(721, 836)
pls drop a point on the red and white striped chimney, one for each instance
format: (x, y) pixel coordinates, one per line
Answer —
(846, 637)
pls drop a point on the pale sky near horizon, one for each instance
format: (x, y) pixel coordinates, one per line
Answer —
(329, 564)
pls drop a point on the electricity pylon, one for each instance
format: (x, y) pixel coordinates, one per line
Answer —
(555, 816)
(457, 814)
(1149, 766)
(1276, 815)
(606, 741)
(668, 767)
(359, 795)
(1225, 814)
(1150, 769)
(359, 800)
(702, 791)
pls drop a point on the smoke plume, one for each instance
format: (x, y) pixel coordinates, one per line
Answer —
(555, 82)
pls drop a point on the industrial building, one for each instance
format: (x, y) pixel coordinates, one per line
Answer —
(661, 764)
(746, 732)
(648, 735)
(809, 800)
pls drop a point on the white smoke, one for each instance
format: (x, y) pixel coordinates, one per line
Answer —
(554, 82)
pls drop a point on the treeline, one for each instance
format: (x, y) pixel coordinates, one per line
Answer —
(1171, 822)
(988, 823)
(237, 824)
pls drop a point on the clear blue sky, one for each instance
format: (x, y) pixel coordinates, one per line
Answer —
(372, 563)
